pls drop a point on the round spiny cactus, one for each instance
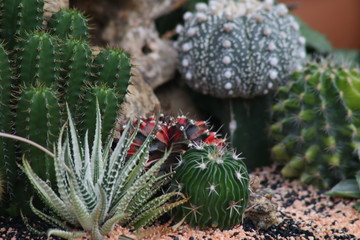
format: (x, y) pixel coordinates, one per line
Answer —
(217, 183)
(318, 122)
(240, 48)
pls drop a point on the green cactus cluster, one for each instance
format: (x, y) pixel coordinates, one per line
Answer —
(318, 123)
(43, 65)
(217, 182)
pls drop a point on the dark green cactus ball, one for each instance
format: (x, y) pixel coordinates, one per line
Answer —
(239, 48)
(217, 183)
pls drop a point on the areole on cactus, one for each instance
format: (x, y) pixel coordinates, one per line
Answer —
(242, 48)
(317, 128)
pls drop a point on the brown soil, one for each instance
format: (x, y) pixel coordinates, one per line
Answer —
(303, 213)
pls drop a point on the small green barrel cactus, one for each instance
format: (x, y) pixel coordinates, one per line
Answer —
(217, 183)
(232, 48)
(318, 123)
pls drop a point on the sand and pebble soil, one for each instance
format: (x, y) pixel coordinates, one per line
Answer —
(303, 213)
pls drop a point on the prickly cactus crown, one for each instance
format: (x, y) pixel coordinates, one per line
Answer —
(217, 182)
(239, 48)
(180, 134)
(318, 122)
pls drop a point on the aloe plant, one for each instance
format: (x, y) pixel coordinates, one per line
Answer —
(97, 187)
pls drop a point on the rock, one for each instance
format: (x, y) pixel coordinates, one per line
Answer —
(53, 6)
(175, 100)
(130, 25)
(261, 211)
(139, 102)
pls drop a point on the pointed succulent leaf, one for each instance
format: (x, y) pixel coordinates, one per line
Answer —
(345, 188)
(120, 218)
(99, 213)
(81, 212)
(137, 185)
(156, 213)
(75, 144)
(65, 234)
(112, 183)
(49, 219)
(149, 207)
(96, 155)
(61, 173)
(46, 193)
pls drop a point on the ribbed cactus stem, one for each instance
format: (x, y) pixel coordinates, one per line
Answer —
(37, 60)
(69, 23)
(76, 66)
(5, 87)
(7, 150)
(38, 119)
(19, 17)
(108, 101)
(217, 183)
(247, 122)
(113, 67)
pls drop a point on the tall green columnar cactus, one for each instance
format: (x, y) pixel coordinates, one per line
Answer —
(108, 100)
(37, 58)
(69, 22)
(317, 131)
(7, 150)
(18, 17)
(38, 119)
(240, 51)
(217, 182)
(112, 66)
(50, 65)
(76, 63)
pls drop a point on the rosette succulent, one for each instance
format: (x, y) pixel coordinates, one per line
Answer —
(97, 187)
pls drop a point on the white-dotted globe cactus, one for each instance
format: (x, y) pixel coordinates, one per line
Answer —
(239, 48)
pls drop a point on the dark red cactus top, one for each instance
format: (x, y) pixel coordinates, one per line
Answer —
(181, 133)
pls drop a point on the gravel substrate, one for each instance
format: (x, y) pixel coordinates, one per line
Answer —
(303, 213)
